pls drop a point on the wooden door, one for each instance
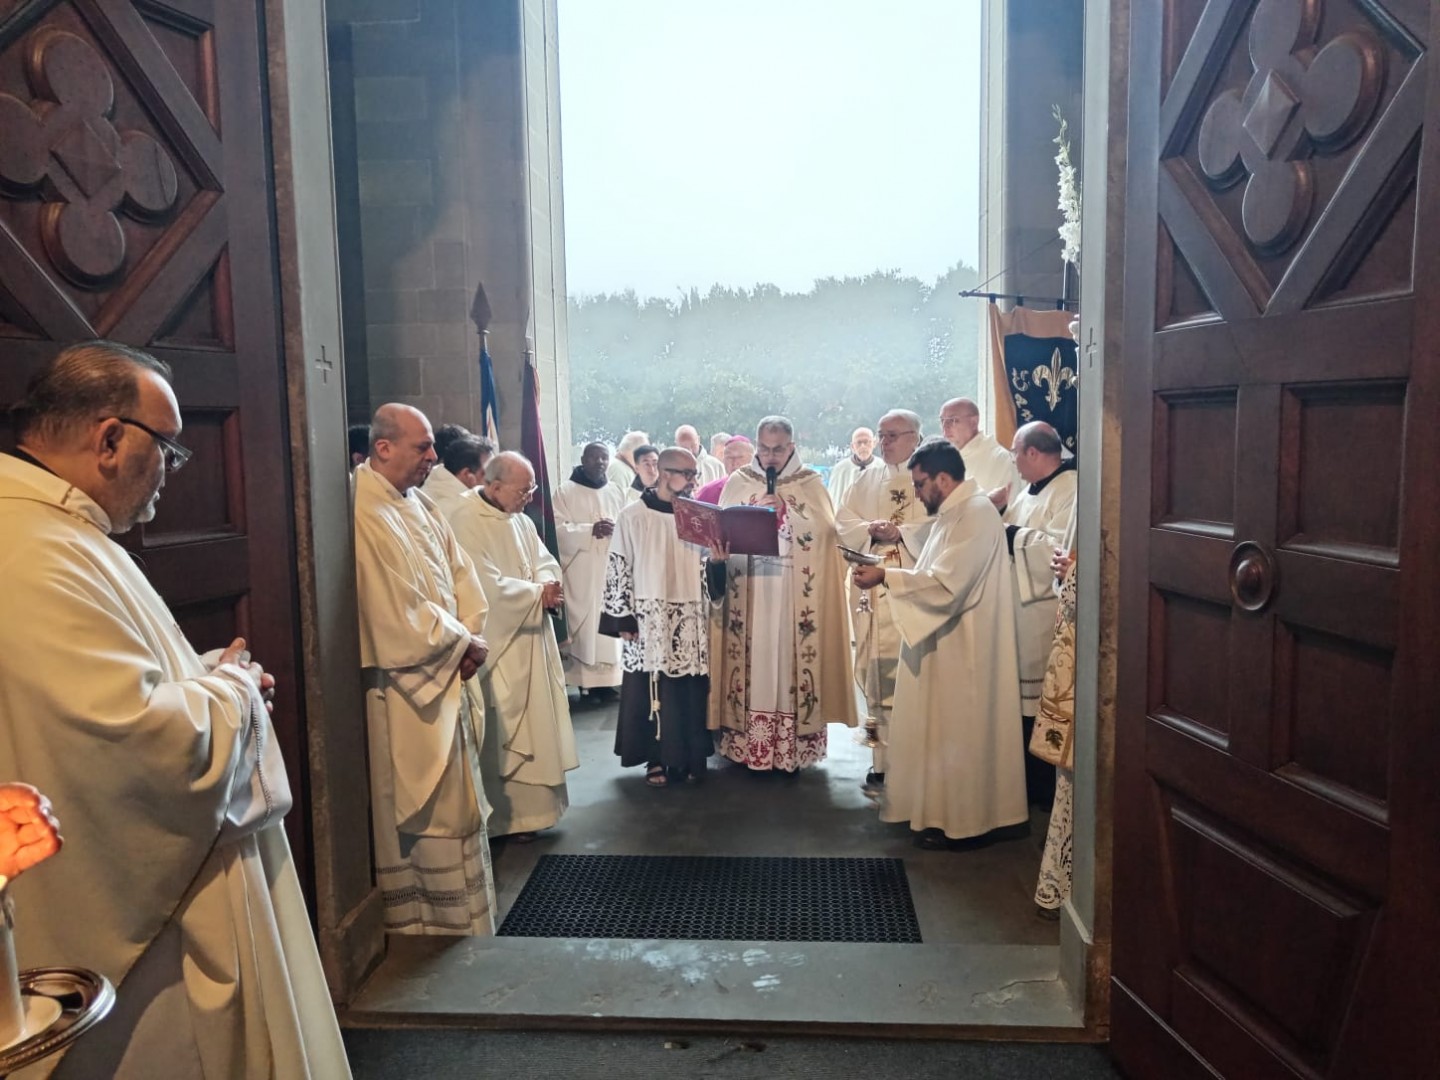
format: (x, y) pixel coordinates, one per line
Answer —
(1277, 812)
(135, 205)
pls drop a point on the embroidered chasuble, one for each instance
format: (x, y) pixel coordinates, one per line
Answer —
(883, 493)
(956, 760)
(176, 880)
(785, 669)
(529, 743)
(591, 658)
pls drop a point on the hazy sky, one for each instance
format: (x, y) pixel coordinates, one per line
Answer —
(741, 141)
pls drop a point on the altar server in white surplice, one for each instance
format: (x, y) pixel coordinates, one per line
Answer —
(955, 771)
(460, 472)
(586, 508)
(421, 615)
(986, 462)
(1037, 519)
(879, 517)
(529, 743)
(176, 881)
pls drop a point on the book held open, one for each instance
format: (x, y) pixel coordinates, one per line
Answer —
(745, 530)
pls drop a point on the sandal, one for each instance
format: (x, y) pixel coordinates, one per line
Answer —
(655, 775)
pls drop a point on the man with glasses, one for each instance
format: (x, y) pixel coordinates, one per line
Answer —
(955, 775)
(529, 743)
(658, 593)
(881, 516)
(851, 467)
(421, 616)
(986, 462)
(176, 880)
(785, 669)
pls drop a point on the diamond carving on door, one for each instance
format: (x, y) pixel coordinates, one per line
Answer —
(113, 168)
(1293, 169)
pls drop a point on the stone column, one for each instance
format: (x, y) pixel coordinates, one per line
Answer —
(457, 153)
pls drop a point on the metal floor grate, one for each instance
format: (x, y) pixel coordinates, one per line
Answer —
(715, 898)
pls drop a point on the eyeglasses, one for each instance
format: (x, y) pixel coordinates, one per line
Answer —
(174, 454)
(946, 420)
(689, 474)
(891, 436)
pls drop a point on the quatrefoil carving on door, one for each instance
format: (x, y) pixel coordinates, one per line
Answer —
(1300, 100)
(65, 144)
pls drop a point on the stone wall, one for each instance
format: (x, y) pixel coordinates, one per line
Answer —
(456, 154)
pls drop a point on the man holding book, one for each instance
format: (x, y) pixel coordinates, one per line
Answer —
(785, 670)
(658, 591)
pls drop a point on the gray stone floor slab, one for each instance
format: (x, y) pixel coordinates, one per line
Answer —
(987, 962)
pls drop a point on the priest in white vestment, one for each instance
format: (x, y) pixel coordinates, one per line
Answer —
(955, 770)
(529, 743)
(709, 468)
(176, 881)
(460, 472)
(1037, 520)
(586, 508)
(785, 669)
(986, 462)
(880, 516)
(622, 463)
(848, 469)
(421, 615)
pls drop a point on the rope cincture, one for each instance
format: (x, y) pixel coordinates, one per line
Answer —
(655, 702)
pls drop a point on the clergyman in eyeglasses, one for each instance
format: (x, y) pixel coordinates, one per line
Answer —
(176, 881)
(880, 515)
(658, 592)
(784, 671)
(529, 743)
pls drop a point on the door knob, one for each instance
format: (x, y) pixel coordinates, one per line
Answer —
(1254, 576)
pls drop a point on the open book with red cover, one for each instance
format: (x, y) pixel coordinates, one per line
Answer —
(746, 530)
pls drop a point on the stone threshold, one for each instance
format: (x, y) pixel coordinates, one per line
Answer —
(1010, 992)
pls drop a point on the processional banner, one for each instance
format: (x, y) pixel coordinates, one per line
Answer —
(542, 506)
(1035, 364)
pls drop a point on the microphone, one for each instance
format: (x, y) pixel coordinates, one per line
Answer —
(770, 475)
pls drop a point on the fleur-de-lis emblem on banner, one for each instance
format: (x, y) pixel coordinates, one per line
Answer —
(1057, 375)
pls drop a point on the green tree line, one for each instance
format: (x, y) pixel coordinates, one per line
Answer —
(831, 359)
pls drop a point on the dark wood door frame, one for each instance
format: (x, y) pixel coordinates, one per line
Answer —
(1275, 870)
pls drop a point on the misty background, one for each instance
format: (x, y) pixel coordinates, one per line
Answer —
(770, 207)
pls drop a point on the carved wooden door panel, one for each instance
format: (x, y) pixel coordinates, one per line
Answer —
(1276, 775)
(135, 205)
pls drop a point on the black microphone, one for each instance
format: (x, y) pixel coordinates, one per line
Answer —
(770, 475)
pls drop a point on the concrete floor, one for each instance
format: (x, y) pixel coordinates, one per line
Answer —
(988, 966)
(980, 897)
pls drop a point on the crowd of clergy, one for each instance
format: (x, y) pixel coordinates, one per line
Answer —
(916, 595)
(913, 592)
